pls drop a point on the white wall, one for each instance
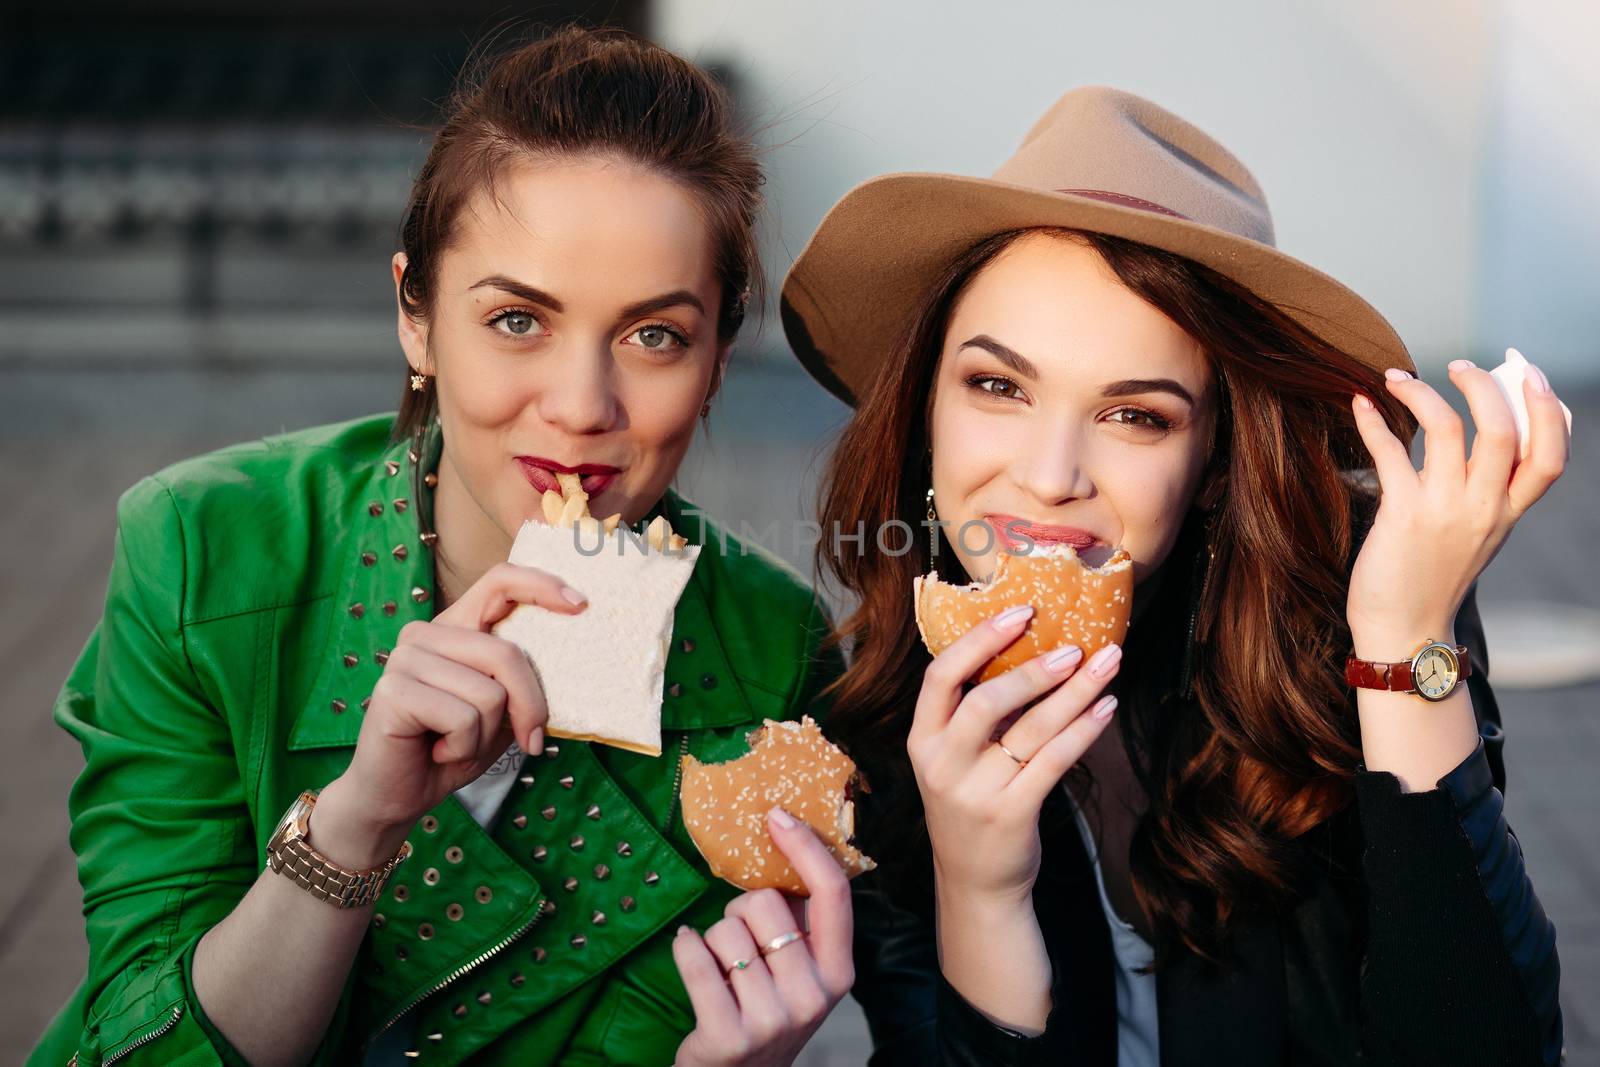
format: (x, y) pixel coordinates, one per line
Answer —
(1366, 122)
(1540, 269)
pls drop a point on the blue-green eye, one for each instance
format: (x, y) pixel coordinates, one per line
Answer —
(518, 322)
(658, 337)
(514, 322)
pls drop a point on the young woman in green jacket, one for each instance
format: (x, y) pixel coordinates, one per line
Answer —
(311, 612)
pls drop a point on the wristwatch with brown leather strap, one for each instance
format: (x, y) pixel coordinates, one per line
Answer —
(1432, 673)
(290, 854)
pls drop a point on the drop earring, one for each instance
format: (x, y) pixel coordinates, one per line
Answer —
(419, 382)
(1201, 584)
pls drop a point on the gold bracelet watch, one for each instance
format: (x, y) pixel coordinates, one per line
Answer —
(290, 854)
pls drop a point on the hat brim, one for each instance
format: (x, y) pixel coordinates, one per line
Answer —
(855, 286)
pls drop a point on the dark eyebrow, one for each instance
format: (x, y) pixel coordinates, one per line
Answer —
(526, 292)
(1005, 355)
(1131, 386)
(676, 298)
(1126, 387)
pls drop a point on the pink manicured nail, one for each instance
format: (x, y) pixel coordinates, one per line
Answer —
(1103, 709)
(1104, 660)
(1462, 364)
(572, 596)
(1012, 617)
(1363, 402)
(1062, 658)
(535, 741)
(782, 818)
(1541, 384)
(1395, 374)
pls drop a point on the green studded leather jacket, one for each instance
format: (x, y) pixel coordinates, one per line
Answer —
(252, 598)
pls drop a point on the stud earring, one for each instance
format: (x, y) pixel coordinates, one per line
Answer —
(419, 382)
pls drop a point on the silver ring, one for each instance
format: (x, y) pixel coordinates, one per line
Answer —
(1018, 759)
(781, 941)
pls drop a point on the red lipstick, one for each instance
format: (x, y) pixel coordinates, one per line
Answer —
(1014, 533)
(541, 474)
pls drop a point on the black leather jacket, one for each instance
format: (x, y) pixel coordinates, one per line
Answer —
(1423, 942)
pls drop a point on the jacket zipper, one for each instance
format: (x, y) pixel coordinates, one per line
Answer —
(172, 1020)
(464, 969)
(477, 961)
(677, 784)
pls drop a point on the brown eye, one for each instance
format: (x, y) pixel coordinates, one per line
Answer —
(1140, 418)
(1003, 388)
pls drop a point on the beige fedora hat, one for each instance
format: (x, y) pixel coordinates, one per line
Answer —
(1101, 160)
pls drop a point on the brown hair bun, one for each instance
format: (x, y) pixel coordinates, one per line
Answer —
(1074, 604)
(790, 765)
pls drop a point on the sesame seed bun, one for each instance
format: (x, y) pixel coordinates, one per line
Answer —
(790, 765)
(1073, 603)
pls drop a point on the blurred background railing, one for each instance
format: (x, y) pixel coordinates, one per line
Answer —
(217, 182)
(198, 202)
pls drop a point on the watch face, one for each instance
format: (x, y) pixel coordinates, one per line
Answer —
(282, 828)
(296, 812)
(1434, 673)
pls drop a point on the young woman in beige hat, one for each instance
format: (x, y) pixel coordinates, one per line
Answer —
(1261, 864)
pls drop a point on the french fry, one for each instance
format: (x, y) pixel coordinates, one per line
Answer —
(575, 508)
(551, 503)
(655, 534)
(570, 507)
(571, 486)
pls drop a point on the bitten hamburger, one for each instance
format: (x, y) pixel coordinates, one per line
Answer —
(790, 765)
(1074, 604)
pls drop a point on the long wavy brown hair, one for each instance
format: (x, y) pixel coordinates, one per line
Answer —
(1240, 748)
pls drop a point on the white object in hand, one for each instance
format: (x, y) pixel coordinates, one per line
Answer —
(1509, 377)
(601, 669)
